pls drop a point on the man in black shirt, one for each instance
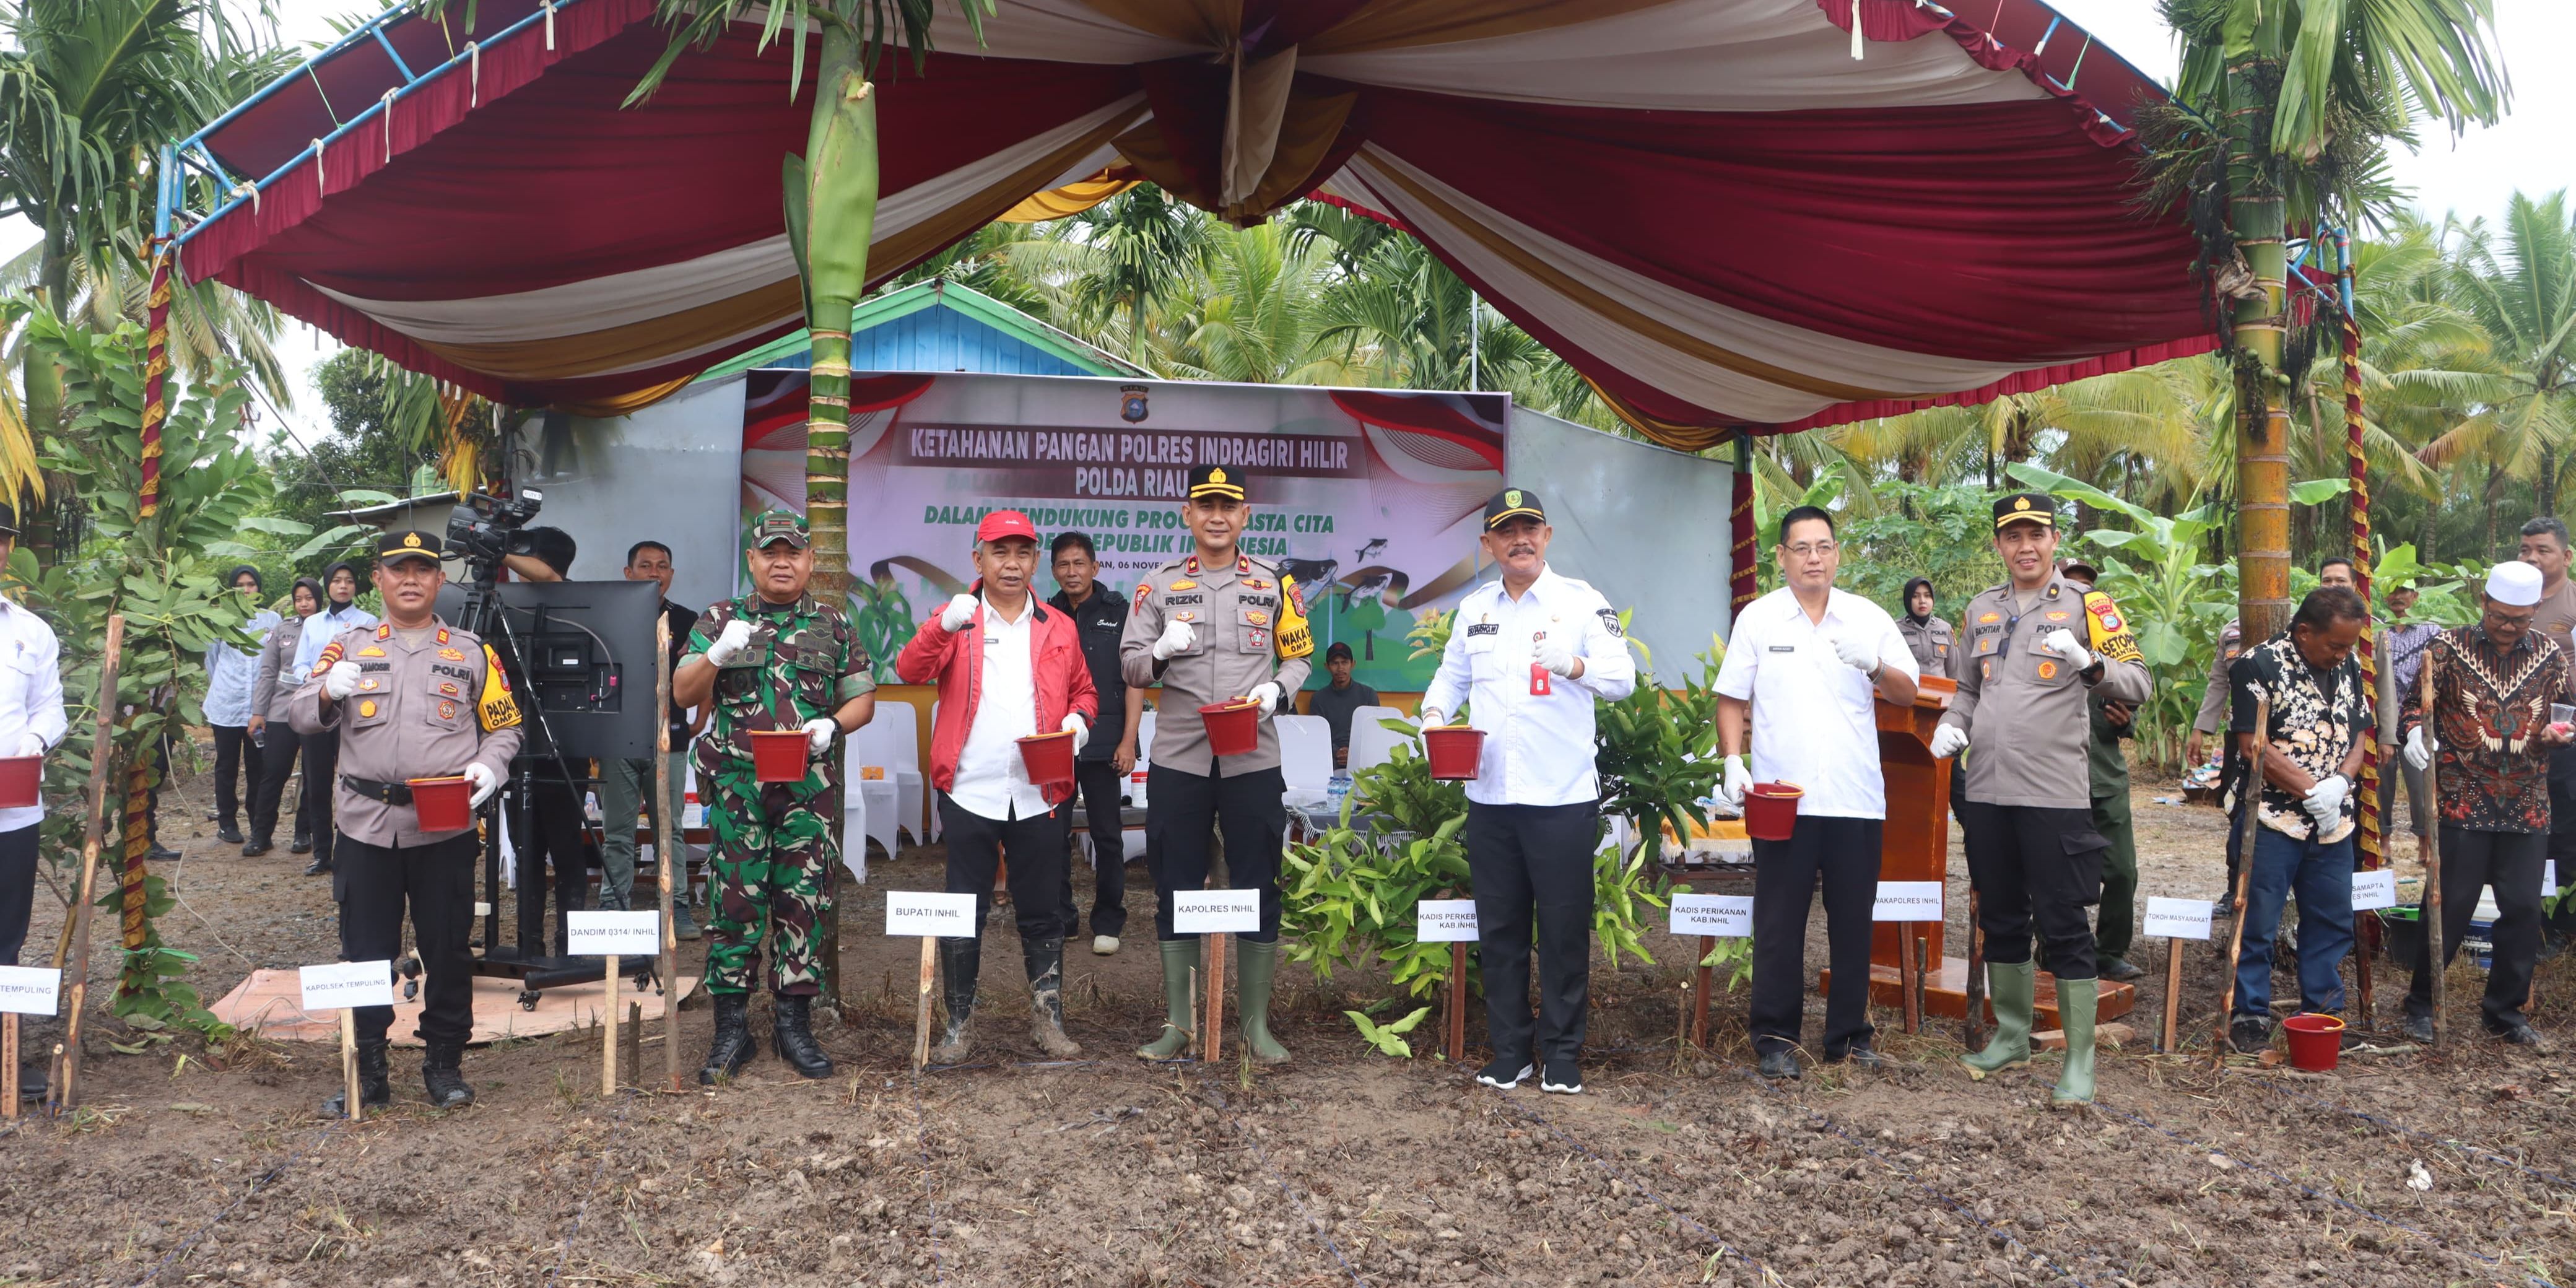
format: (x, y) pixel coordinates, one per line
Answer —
(626, 786)
(1099, 618)
(1336, 701)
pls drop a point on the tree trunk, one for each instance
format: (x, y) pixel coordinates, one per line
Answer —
(2259, 325)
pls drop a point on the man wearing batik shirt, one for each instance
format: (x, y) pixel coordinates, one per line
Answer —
(2493, 684)
(2306, 812)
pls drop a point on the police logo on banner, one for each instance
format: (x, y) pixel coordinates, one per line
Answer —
(1131, 404)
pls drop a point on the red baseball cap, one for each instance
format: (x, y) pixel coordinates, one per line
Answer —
(1005, 523)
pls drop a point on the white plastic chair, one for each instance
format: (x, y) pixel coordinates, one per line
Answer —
(1305, 752)
(892, 739)
(868, 807)
(1372, 743)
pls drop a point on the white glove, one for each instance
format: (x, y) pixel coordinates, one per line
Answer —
(735, 638)
(1176, 637)
(1948, 740)
(1738, 779)
(2420, 749)
(480, 777)
(819, 732)
(2062, 642)
(1557, 658)
(341, 680)
(960, 610)
(1430, 717)
(2325, 800)
(31, 744)
(1080, 729)
(1265, 696)
(1857, 653)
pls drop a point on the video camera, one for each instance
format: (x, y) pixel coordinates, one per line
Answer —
(484, 528)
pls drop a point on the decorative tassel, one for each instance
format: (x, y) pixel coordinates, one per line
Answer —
(388, 101)
(250, 190)
(550, 24)
(320, 188)
(1855, 30)
(474, 74)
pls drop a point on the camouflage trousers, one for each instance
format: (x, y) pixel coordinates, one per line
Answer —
(772, 851)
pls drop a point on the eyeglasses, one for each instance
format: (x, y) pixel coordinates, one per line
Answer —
(1812, 549)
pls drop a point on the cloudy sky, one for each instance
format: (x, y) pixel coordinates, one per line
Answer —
(2473, 176)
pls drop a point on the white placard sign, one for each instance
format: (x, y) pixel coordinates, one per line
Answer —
(1445, 921)
(1201, 912)
(927, 912)
(2178, 918)
(2374, 890)
(1907, 901)
(2549, 879)
(613, 934)
(1727, 916)
(29, 990)
(339, 986)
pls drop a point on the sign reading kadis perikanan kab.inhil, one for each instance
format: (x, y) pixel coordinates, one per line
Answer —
(1371, 500)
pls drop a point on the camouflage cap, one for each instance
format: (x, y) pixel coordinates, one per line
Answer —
(779, 525)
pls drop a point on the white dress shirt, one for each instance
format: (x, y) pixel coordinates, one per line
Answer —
(1538, 749)
(31, 694)
(230, 674)
(1814, 717)
(992, 781)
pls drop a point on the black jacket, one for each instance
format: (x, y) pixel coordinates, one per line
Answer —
(1098, 624)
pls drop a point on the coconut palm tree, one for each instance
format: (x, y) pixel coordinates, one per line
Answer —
(2523, 293)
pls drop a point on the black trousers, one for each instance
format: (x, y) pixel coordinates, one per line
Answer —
(1182, 810)
(17, 888)
(1532, 869)
(553, 838)
(321, 753)
(437, 883)
(2036, 870)
(2562, 830)
(229, 741)
(1035, 847)
(2510, 862)
(1102, 785)
(1844, 851)
(272, 764)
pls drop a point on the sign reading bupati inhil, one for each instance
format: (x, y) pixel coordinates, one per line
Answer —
(1370, 500)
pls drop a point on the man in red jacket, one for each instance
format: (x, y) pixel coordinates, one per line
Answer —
(1008, 668)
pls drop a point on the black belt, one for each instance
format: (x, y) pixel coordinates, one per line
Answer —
(389, 793)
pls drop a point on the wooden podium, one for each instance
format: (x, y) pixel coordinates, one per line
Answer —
(1916, 847)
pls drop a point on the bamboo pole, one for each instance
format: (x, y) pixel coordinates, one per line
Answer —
(2432, 903)
(2250, 795)
(349, 1061)
(921, 1005)
(1210, 1041)
(672, 858)
(1703, 979)
(1922, 957)
(9, 1065)
(102, 751)
(1973, 1023)
(1906, 970)
(608, 1027)
(1457, 1001)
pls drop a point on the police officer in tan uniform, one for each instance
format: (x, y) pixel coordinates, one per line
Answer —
(1927, 636)
(410, 697)
(2038, 648)
(1217, 626)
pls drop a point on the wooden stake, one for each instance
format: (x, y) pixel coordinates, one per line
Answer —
(2250, 796)
(671, 858)
(2173, 994)
(9, 1065)
(633, 1060)
(608, 1026)
(921, 1012)
(1211, 1043)
(102, 753)
(1974, 1022)
(2432, 903)
(1908, 986)
(349, 1060)
(1922, 955)
(1457, 1001)
(1702, 981)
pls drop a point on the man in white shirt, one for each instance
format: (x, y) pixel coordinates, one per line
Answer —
(1805, 661)
(31, 724)
(1528, 655)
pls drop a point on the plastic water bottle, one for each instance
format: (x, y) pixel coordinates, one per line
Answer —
(1337, 790)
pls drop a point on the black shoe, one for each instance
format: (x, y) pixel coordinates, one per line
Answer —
(303, 845)
(791, 1030)
(2250, 1033)
(1780, 1062)
(31, 1084)
(2518, 1033)
(2120, 969)
(1505, 1073)
(375, 1090)
(318, 867)
(228, 834)
(1863, 1056)
(160, 853)
(1563, 1077)
(2226, 906)
(442, 1078)
(258, 848)
(732, 1048)
(2419, 1028)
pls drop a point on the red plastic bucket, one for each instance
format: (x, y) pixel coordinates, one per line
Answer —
(778, 755)
(1049, 757)
(1233, 728)
(1771, 810)
(1455, 751)
(21, 778)
(444, 804)
(2315, 1041)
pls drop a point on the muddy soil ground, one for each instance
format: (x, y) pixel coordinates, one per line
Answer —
(190, 1165)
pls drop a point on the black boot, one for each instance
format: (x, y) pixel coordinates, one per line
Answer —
(960, 960)
(1045, 961)
(791, 1030)
(442, 1078)
(375, 1090)
(732, 1048)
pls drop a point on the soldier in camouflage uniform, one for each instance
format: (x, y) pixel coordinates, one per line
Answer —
(772, 659)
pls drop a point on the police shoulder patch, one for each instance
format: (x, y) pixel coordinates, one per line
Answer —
(1610, 622)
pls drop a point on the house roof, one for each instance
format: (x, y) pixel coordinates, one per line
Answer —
(940, 325)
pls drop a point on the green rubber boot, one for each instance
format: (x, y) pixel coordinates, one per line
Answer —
(2013, 989)
(2076, 1002)
(1180, 970)
(1254, 967)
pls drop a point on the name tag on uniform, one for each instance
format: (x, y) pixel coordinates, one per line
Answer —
(1784, 648)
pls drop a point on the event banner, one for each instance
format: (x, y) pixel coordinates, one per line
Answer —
(1370, 500)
